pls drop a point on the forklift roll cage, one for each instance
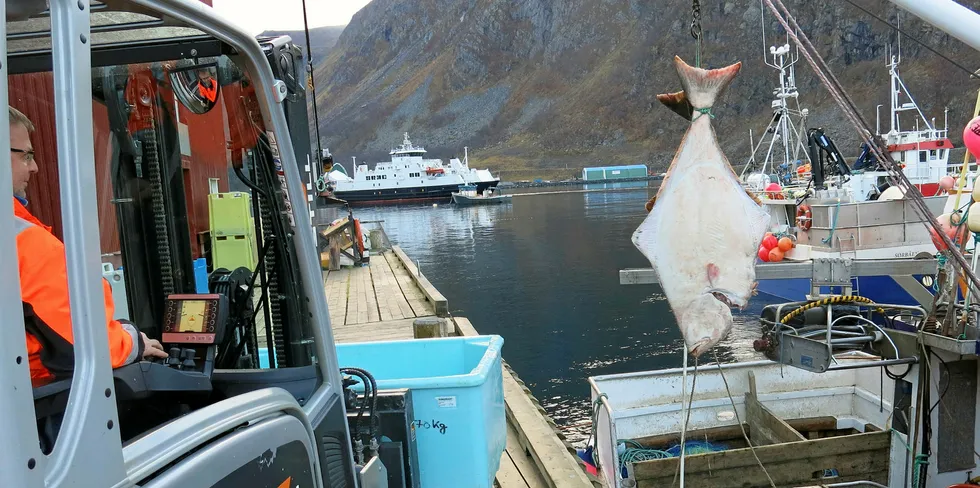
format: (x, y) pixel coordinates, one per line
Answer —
(89, 451)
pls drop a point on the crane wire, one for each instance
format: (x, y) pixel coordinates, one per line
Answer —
(316, 113)
(874, 143)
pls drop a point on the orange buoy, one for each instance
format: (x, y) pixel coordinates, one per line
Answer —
(785, 244)
(775, 255)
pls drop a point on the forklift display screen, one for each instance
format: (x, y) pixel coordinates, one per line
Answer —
(194, 319)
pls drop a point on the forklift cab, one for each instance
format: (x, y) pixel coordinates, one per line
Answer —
(164, 155)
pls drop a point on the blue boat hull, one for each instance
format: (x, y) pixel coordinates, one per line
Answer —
(881, 289)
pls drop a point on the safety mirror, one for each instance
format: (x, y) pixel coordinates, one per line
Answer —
(196, 86)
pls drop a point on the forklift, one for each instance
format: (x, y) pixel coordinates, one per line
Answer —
(149, 98)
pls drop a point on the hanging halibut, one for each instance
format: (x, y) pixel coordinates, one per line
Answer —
(703, 231)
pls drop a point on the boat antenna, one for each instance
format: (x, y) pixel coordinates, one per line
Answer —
(309, 70)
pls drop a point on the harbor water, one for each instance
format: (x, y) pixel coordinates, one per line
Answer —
(543, 272)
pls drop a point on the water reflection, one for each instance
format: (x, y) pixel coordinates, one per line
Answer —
(543, 272)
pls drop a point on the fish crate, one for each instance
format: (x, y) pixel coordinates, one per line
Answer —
(457, 396)
(868, 225)
(720, 457)
(806, 428)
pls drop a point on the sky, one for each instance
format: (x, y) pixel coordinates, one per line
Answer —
(259, 15)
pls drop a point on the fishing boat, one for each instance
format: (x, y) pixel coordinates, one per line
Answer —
(845, 391)
(409, 177)
(469, 195)
(833, 209)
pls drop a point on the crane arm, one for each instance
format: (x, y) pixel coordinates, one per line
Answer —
(947, 16)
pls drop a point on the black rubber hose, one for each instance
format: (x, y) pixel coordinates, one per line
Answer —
(366, 381)
(374, 397)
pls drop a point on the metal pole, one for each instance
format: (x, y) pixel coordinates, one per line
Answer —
(21, 461)
(89, 444)
(874, 364)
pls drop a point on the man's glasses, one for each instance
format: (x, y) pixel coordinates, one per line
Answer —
(28, 155)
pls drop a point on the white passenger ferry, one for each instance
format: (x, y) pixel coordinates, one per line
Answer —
(409, 177)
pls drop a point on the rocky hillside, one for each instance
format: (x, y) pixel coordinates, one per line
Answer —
(536, 86)
(323, 39)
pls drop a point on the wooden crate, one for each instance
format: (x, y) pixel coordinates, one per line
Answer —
(792, 458)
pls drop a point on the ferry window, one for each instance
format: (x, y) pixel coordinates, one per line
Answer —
(932, 154)
(923, 156)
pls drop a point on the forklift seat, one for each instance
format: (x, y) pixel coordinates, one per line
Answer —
(51, 399)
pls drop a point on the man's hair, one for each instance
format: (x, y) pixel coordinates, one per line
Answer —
(17, 117)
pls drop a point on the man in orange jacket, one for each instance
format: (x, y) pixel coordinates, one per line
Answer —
(44, 282)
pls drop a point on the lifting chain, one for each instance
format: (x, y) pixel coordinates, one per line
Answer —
(696, 29)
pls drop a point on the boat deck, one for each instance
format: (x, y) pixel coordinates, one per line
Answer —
(380, 302)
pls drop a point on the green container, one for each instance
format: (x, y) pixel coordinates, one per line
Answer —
(230, 214)
(231, 252)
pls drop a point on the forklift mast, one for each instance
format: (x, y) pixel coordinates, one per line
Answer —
(205, 416)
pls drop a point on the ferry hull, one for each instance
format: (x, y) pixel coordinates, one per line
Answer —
(391, 196)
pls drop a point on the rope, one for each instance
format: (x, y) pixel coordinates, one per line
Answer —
(825, 301)
(920, 460)
(849, 108)
(680, 467)
(739, 420)
(594, 436)
(833, 226)
(702, 111)
(316, 115)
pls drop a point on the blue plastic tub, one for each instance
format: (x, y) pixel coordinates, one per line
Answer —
(201, 275)
(458, 397)
(264, 357)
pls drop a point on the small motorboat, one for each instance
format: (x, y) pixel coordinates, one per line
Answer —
(468, 195)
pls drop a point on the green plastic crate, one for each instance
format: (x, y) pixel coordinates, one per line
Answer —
(230, 214)
(231, 252)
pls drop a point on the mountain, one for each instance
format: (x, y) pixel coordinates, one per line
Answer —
(322, 40)
(536, 86)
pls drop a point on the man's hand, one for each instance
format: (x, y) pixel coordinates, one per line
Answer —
(152, 348)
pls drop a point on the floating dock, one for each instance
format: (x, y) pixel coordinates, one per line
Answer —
(381, 301)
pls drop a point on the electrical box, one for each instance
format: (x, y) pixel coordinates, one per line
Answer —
(398, 449)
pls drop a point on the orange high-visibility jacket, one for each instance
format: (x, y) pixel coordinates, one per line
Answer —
(47, 316)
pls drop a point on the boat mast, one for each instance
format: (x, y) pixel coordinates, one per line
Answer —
(781, 126)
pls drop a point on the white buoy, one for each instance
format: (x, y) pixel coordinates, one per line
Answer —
(976, 192)
(973, 220)
(892, 193)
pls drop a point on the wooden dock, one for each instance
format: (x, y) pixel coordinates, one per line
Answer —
(382, 300)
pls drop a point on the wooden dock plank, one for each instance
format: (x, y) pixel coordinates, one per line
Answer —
(508, 475)
(336, 288)
(362, 304)
(411, 291)
(432, 295)
(530, 475)
(392, 330)
(392, 304)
